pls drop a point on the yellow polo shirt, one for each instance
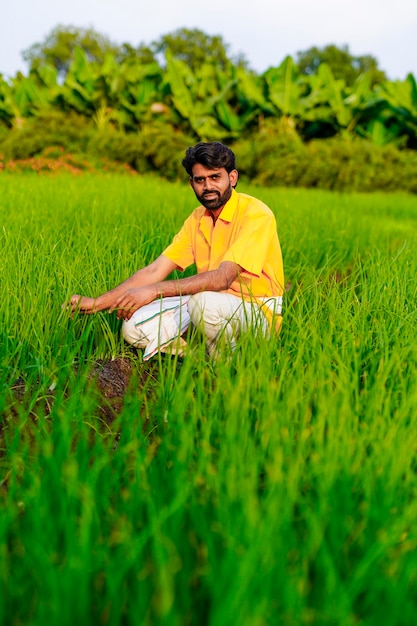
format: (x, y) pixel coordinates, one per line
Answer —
(245, 233)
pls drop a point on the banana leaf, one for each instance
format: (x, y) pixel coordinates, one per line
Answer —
(81, 70)
(250, 92)
(233, 122)
(179, 78)
(283, 87)
(401, 97)
(379, 133)
(28, 97)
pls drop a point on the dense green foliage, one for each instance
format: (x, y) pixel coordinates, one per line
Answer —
(57, 50)
(276, 156)
(192, 46)
(215, 101)
(142, 106)
(341, 62)
(277, 488)
(273, 156)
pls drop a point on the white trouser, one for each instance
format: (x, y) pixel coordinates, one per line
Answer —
(220, 316)
(155, 326)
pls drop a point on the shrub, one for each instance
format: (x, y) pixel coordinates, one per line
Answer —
(163, 148)
(273, 156)
(69, 130)
(157, 147)
(340, 163)
(55, 159)
(116, 146)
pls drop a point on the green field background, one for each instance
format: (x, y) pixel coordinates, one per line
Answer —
(278, 487)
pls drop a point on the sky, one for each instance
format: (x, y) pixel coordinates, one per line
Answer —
(264, 31)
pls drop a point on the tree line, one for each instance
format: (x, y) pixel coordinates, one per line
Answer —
(83, 92)
(192, 46)
(188, 79)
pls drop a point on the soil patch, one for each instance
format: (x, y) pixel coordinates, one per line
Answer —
(110, 377)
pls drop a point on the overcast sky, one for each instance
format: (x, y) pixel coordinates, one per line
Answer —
(265, 31)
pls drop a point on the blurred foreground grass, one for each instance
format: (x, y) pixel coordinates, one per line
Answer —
(278, 488)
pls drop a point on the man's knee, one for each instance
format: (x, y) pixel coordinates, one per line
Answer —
(133, 335)
(202, 308)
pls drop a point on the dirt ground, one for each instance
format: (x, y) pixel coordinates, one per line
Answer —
(112, 378)
(109, 377)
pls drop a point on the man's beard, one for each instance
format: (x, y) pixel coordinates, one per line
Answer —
(213, 204)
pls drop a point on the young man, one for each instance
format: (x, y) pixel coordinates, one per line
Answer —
(233, 241)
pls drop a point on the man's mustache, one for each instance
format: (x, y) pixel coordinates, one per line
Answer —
(209, 193)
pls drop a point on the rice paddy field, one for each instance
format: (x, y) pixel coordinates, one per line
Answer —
(278, 487)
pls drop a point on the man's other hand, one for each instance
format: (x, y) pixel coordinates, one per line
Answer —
(81, 304)
(132, 300)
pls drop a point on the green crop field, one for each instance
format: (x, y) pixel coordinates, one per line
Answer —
(277, 488)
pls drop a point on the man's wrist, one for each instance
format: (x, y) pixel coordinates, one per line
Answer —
(156, 291)
(100, 304)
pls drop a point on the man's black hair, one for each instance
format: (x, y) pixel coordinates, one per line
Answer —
(211, 154)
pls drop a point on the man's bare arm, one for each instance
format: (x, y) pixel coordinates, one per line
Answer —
(214, 280)
(149, 275)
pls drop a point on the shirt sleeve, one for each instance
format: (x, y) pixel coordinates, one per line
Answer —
(250, 248)
(181, 250)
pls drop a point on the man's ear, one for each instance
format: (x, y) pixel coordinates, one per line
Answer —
(233, 176)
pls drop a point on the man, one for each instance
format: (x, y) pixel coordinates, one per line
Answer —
(233, 241)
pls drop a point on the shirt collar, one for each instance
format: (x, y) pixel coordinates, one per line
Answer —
(228, 210)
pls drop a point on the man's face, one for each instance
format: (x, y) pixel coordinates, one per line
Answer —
(213, 188)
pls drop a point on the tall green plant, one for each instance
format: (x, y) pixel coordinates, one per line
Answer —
(113, 93)
(401, 97)
(23, 98)
(216, 102)
(284, 88)
(194, 96)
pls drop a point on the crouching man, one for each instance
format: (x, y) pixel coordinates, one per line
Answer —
(232, 239)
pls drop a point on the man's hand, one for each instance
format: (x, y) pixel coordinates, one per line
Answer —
(126, 299)
(125, 305)
(132, 300)
(81, 304)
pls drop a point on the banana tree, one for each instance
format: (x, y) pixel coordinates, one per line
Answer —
(21, 99)
(194, 97)
(240, 101)
(6, 103)
(324, 109)
(79, 86)
(401, 99)
(371, 118)
(284, 89)
(244, 106)
(139, 89)
(97, 91)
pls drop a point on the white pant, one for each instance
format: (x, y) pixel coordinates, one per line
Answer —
(221, 317)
